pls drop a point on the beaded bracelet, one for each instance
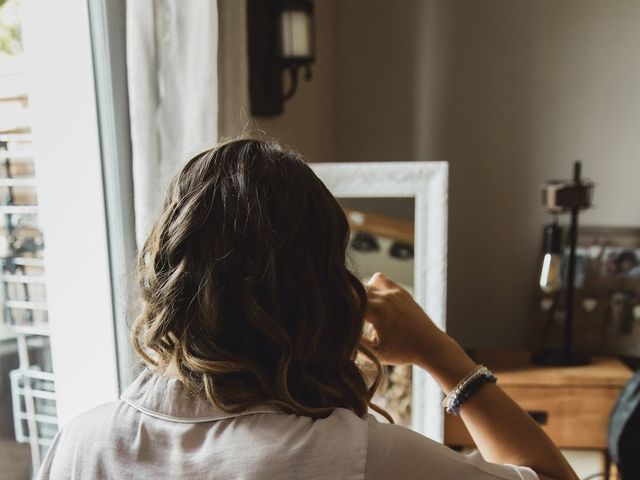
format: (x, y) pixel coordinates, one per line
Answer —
(467, 387)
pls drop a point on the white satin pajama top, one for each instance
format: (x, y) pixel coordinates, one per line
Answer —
(155, 431)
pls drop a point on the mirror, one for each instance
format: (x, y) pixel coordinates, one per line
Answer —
(398, 217)
(382, 240)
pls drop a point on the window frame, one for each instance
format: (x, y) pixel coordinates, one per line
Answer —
(73, 214)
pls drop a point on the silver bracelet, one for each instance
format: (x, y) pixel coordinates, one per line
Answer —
(467, 387)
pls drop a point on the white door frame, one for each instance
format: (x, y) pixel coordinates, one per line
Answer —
(67, 154)
(108, 31)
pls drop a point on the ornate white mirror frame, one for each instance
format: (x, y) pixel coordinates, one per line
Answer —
(427, 183)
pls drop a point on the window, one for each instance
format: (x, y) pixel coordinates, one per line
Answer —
(59, 249)
(29, 416)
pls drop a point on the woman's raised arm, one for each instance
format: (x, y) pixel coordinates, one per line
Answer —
(502, 431)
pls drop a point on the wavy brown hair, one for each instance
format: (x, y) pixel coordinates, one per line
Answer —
(245, 288)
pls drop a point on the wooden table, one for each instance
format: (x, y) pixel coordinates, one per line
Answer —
(572, 404)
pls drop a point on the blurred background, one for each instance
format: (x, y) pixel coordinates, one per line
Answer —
(102, 100)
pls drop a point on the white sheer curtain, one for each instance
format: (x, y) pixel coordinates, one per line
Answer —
(172, 63)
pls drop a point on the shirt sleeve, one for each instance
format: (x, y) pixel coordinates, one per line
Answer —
(44, 472)
(398, 452)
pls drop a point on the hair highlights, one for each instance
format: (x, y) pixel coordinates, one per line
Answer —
(245, 289)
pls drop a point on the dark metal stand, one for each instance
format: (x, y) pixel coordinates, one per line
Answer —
(567, 356)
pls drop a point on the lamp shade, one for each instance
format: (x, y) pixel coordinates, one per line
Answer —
(281, 41)
(297, 43)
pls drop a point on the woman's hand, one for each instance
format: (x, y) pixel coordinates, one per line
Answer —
(504, 433)
(402, 329)
(404, 333)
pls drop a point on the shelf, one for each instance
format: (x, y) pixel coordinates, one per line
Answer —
(26, 305)
(16, 156)
(18, 182)
(42, 331)
(39, 418)
(10, 278)
(31, 373)
(27, 261)
(19, 209)
(44, 442)
(15, 137)
(44, 394)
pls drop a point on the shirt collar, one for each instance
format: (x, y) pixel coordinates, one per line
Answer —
(166, 398)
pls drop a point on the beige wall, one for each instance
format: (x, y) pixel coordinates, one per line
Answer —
(308, 122)
(510, 92)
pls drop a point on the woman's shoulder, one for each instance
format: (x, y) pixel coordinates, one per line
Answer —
(94, 420)
(94, 424)
(399, 452)
(88, 433)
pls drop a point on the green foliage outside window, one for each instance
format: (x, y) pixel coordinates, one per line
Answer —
(10, 36)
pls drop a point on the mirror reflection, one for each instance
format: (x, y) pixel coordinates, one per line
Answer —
(382, 240)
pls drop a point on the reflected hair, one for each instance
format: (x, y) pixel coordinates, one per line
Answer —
(245, 287)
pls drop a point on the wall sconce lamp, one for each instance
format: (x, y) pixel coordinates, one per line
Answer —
(280, 39)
